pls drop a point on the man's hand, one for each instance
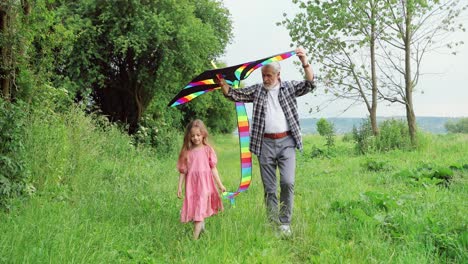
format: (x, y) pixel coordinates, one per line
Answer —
(309, 73)
(301, 53)
(222, 82)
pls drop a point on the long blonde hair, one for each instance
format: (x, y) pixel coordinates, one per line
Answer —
(187, 144)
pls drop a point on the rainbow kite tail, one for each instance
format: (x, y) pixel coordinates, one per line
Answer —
(230, 196)
(244, 142)
(245, 155)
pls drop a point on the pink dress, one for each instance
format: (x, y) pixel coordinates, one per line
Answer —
(201, 196)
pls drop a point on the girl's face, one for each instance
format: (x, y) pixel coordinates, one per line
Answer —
(196, 136)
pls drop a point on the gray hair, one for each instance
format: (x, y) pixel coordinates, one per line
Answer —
(274, 65)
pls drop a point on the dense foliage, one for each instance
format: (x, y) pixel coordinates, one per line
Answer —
(460, 126)
(33, 40)
(128, 52)
(123, 59)
(327, 130)
(13, 173)
(393, 135)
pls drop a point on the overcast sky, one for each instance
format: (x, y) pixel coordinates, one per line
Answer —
(445, 84)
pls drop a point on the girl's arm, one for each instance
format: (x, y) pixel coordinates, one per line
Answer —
(181, 184)
(214, 170)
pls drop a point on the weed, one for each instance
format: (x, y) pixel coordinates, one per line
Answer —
(376, 165)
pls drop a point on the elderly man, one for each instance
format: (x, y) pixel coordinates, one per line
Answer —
(276, 133)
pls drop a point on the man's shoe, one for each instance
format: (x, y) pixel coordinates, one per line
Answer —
(285, 230)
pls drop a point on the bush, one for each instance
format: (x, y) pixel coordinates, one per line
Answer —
(460, 126)
(160, 128)
(348, 137)
(376, 165)
(428, 174)
(393, 135)
(363, 137)
(327, 130)
(322, 153)
(13, 174)
(158, 135)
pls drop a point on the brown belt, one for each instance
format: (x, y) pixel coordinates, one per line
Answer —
(277, 135)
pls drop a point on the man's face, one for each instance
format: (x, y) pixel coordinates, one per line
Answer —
(270, 78)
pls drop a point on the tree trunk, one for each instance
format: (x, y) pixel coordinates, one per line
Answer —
(26, 7)
(411, 119)
(373, 112)
(8, 15)
(5, 63)
(410, 116)
(121, 103)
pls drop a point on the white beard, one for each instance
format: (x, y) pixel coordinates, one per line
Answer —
(270, 87)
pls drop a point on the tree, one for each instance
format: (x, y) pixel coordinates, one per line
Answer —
(129, 51)
(372, 46)
(343, 35)
(416, 28)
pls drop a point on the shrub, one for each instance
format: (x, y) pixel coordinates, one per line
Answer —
(460, 126)
(376, 165)
(347, 137)
(160, 128)
(428, 174)
(159, 135)
(393, 135)
(13, 174)
(327, 130)
(322, 153)
(363, 137)
(46, 98)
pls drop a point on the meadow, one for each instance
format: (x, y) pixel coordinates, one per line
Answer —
(96, 198)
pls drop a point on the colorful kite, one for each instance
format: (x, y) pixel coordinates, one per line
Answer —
(206, 82)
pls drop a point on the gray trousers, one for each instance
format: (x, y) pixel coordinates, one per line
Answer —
(278, 153)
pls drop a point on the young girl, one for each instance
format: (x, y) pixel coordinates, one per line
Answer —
(197, 167)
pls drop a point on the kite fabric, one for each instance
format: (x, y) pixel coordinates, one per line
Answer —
(206, 82)
(245, 155)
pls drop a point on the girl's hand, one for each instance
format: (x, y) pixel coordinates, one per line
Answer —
(223, 189)
(179, 193)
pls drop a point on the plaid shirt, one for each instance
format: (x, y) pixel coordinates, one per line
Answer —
(288, 92)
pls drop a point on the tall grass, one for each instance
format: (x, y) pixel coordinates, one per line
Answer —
(101, 200)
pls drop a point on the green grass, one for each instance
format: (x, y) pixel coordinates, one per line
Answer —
(100, 200)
